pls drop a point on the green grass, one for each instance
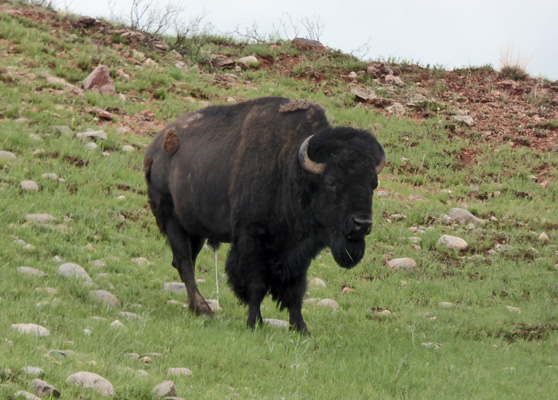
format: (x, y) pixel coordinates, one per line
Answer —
(422, 350)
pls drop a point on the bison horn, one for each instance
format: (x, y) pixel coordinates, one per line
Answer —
(382, 163)
(306, 162)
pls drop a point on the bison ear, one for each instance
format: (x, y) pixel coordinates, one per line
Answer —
(382, 163)
(306, 162)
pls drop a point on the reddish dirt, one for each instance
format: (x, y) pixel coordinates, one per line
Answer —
(520, 113)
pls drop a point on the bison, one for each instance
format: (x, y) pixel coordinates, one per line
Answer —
(272, 177)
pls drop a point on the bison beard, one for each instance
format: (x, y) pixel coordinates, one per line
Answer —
(275, 180)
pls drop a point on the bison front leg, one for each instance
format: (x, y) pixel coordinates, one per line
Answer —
(185, 249)
(291, 298)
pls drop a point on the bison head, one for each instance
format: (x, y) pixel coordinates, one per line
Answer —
(344, 164)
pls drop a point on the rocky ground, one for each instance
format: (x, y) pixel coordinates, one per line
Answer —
(502, 110)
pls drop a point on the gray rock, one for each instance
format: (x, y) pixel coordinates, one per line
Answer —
(213, 304)
(328, 303)
(50, 175)
(31, 329)
(104, 297)
(117, 324)
(99, 80)
(364, 94)
(41, 388)
(128, 148)
(317, 282)
(396, 108)
(465, 120)
(71, 270)
(29, 186)
(379, 69)
(59, 354)
(249, 61)
(276, 323)
(6, 155)
(88, 135)
(179, 372)
(31, 271)
(543, 238)
(63, 130)
(165, 389)
(309, 44)
(91, 145)
(25, 395)
(40, 218)
(89, 380)
(33, 371)
(407, 264)
(464, 216)
(129, 315)
(174, 287)
(141, 261)
(453, 242)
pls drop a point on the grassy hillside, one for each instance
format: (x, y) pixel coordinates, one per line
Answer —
(479, 323)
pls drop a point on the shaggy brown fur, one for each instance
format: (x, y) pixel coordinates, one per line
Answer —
(171, 142)
(294, 106)
(147, 167)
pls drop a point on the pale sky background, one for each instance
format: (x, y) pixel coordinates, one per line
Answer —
(451, 33)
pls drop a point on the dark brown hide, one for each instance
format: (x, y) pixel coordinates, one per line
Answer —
(171, 142)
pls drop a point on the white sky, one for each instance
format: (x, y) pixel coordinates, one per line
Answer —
(451, 33)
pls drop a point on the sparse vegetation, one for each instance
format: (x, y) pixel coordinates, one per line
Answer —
(482, 323)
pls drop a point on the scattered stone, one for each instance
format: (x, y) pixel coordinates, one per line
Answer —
(545, 184)
(177, 303)
(465, 120)
(116, 324)
(249, 62)
(407, 264)
(87, 332)
(396, 80)
(165, 389)
(379, 69)
(74, 90)
(213, 304)
(89, 380)
(87, 135)
(33, 371)
(41, 388)
(308, 44)
(397, 109)
(50, 175)
(25, 395)
(60, 353)
(129, 315)
(31, 329)
(382, 194)
(174, 287)
(146, 360)
(514, 309)
(317, 282)
(128, 148)
(40, 218)
(435, 346)
(446, 304)
(464, 216)
(328, 303)
(71, 270)
(348, 289)
(415, 239)
(353, 75)
(7, 155)
(31, 271)
(141, 261)
(91, 145)
(364, 94)
(179, 372)
(543, 238)
(63, 130)
(107, 298)
(453, 242)
(29, 186)
(99, 80)
(276, 323)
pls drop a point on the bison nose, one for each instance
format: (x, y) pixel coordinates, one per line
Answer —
(360, 225)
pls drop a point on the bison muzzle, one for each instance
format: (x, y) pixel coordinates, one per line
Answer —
(272, 177)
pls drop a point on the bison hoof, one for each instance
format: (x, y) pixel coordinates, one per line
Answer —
(302, 329)
(201, 308)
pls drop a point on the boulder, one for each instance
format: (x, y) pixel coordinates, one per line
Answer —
(89, 380)
(379, 69)
(99, 80)
(308, 44)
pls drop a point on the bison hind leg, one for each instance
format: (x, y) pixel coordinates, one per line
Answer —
(185, 248)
